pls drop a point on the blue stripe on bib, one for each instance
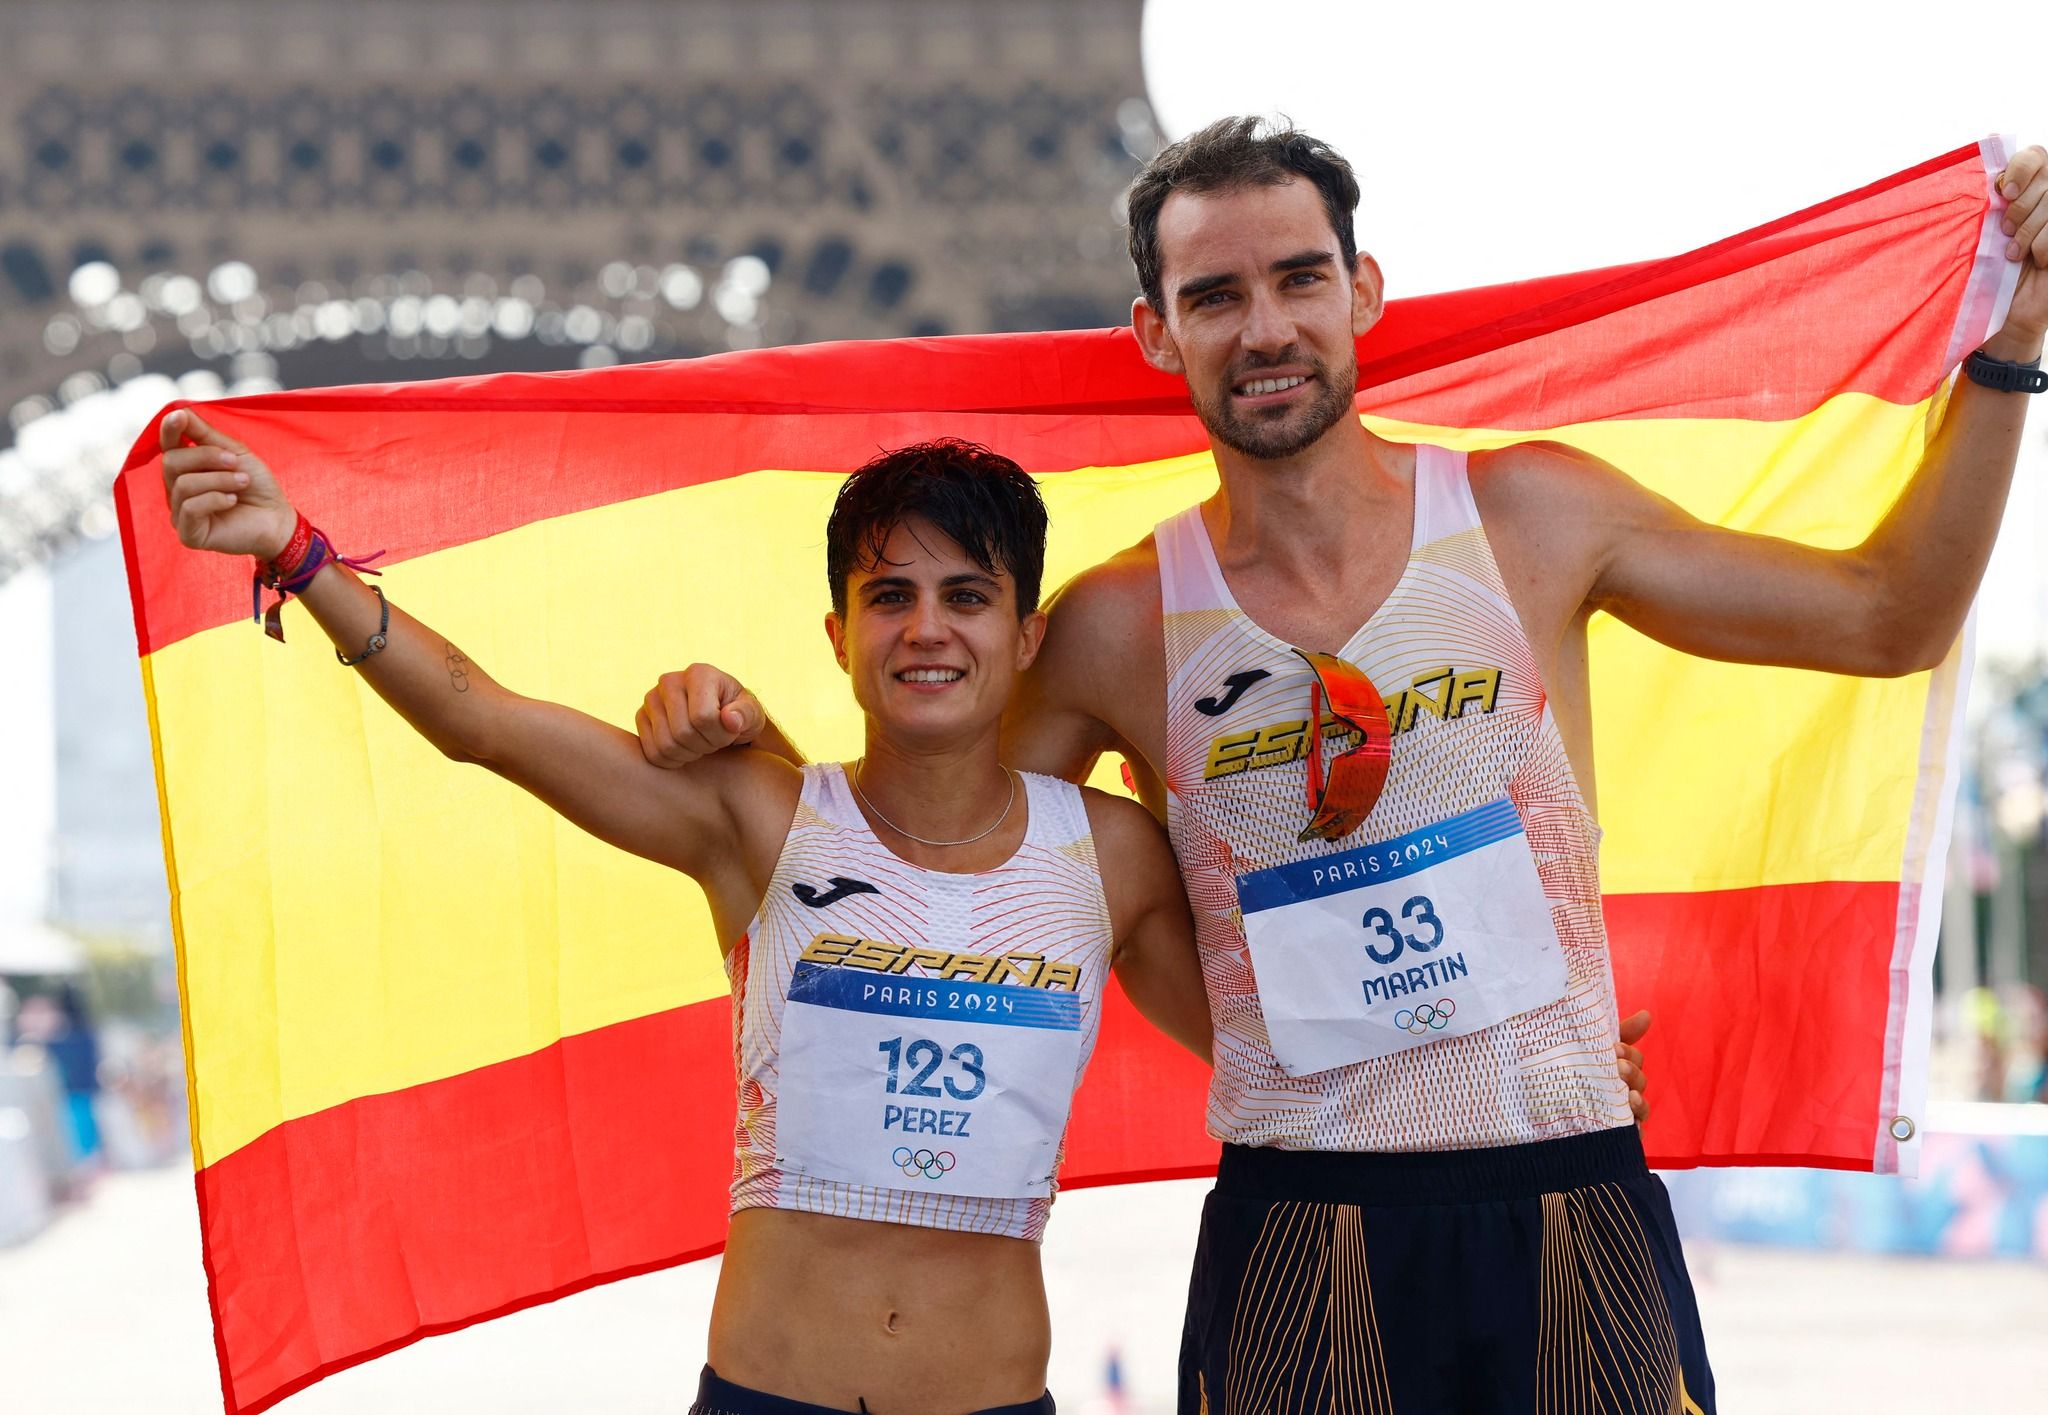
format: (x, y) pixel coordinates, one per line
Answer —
(1371, 864)
(1006, 1005)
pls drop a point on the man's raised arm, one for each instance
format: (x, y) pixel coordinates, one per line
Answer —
(1891, 605)
(223, 498)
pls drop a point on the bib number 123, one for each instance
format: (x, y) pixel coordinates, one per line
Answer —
(915, 1064)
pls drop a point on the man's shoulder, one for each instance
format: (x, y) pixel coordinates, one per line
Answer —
(1527, 461)
(1121, 592)
(1541, 477)
(1103, 653)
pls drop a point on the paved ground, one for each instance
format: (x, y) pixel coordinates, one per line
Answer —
(106, 1312)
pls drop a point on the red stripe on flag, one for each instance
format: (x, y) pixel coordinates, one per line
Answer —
(1595, 353)
(1795, 979)
(342, 1235)
(1141, 1113)
(1834, 299)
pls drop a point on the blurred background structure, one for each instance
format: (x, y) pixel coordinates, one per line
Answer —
(200, 197)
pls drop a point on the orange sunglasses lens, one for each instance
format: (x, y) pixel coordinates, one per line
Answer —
(1343, 797)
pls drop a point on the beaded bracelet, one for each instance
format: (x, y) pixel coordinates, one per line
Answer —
(378, 640)
(304, 556)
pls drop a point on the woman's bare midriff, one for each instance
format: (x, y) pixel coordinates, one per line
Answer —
(915, 1321)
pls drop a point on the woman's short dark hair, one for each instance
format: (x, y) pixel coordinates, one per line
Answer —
(987, 505)
(1229, 154)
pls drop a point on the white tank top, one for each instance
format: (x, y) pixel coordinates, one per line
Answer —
(1471, 726)
(908, 1041)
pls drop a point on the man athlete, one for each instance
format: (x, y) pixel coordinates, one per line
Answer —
(917, 943)
(1429, 1199)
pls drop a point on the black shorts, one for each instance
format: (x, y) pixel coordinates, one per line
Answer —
(716, 1396)
(1540, 1278)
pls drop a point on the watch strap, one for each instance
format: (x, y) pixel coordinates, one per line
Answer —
(2005, 375)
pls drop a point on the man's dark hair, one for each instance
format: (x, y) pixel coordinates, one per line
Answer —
(1229, 154)
(981, 499)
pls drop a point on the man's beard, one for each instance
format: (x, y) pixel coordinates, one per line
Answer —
(1269, 438)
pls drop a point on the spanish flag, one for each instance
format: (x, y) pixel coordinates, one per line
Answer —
(449, 1057)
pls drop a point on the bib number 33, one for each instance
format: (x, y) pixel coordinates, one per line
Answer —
(1385, 943)
(1366, 952)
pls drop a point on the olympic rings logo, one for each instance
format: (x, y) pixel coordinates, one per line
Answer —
(1424, 1019)
(924, 1162)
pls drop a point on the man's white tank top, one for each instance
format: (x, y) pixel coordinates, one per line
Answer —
(908, 1041)
(1471, 725)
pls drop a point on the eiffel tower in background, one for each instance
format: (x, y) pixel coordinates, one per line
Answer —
(247, 194)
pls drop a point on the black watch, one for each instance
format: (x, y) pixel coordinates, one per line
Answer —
(2005, 375)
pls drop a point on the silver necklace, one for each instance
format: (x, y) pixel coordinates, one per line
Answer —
(876, 812)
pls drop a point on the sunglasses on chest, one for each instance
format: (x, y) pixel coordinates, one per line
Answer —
(1343, 786)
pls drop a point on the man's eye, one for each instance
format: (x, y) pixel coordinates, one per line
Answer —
(969, 597)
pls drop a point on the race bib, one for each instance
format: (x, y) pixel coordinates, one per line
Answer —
(1433, 934)
(925, 1084)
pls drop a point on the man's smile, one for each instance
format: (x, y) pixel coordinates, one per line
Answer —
(1268, 388)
